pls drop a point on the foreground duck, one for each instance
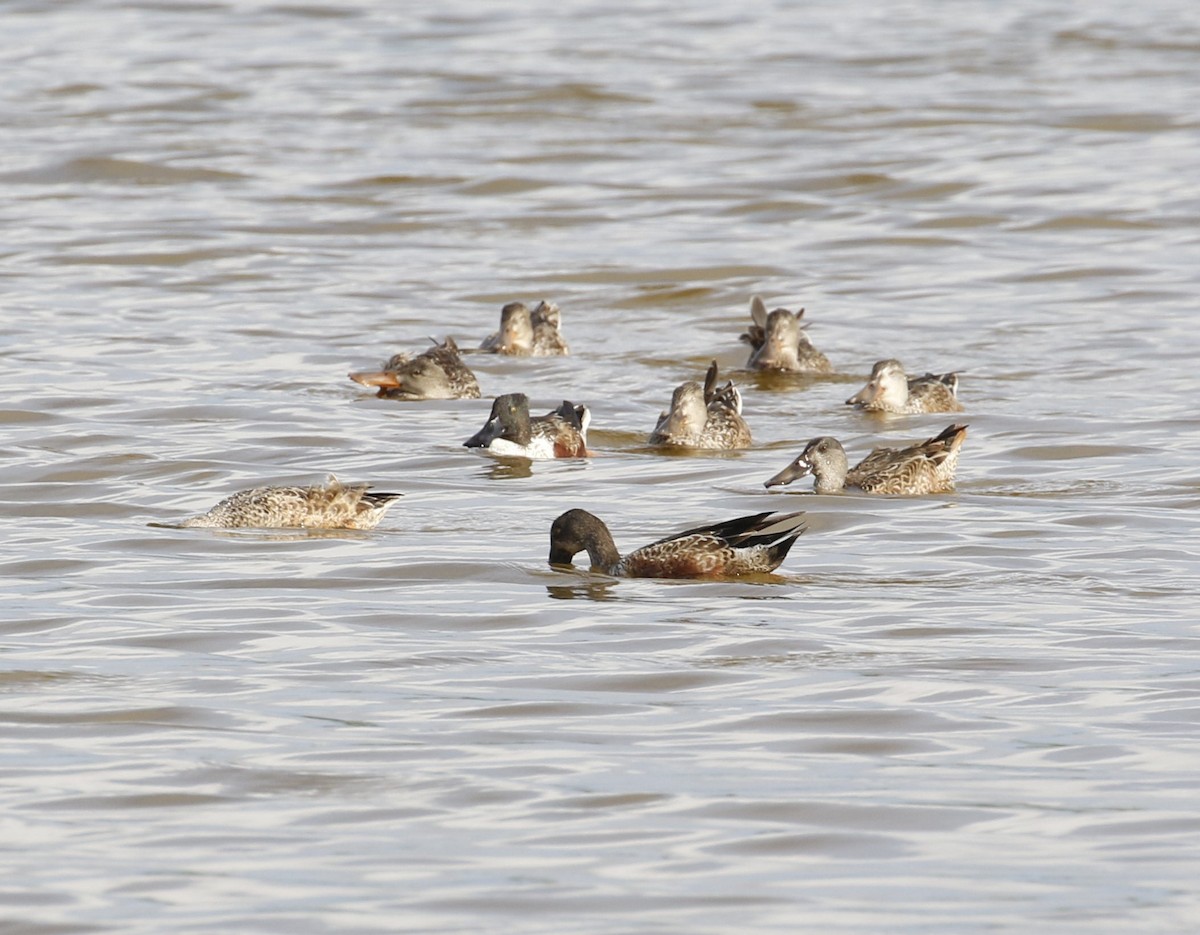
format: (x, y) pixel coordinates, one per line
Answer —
(332, 505)
(890, 389)
(778, 342)
(703, 417)
(926, 467)
(748, 545)
(438, 373)
(510, 431)
(525, 333)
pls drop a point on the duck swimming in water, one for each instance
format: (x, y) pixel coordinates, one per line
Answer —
(510, 431)
(748, 545)
(703, 417)
(526, 333)
(332, 505)
(438, 373)
(890, 389)
(779, 342)
(926, 467)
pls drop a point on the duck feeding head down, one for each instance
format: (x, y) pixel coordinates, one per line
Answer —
(747, 545)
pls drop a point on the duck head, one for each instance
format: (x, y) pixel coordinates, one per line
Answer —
(824, 458)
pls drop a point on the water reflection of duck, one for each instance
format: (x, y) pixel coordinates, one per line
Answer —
(332, 505)
(747, 545)
(926, 467)
(438, 373)
(590, 588)
(890, 389)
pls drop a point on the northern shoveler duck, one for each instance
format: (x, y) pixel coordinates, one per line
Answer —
(438, 373)
(703, 417)
(890, 389)
(332, 505)
(526, 333)
(779, 342)
(926, 467)
(743, 546)
(510, 431)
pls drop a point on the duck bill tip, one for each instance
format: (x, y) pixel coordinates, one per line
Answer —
(383, 379)
(790, 473)
(484, 437)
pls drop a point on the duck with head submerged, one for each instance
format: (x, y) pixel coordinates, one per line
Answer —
(890, 389)
(778, 341)
(748, 545)
(510, 431)
(332, 505)
(703, 417)
(438, 373)
(926, 467)
(525, 333)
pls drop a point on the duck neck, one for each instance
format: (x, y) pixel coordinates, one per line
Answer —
(893, 394)
(600, 547)
(830, 474)
(518, 430)
(829, 482)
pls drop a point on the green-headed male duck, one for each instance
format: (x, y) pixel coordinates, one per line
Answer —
(511, 432)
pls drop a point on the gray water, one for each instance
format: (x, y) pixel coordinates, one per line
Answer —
(973, 712)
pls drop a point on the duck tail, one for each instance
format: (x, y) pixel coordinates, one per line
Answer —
(762, 530)
(952, 435)
(777, 531)
(949, 380)
(380, 499)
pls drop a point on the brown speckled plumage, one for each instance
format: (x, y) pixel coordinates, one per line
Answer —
(703, 417)
(779, 342)
(525, 333)
(926, 467)
(748, 545)
(333, 505)
(890, 389)
(438, 373)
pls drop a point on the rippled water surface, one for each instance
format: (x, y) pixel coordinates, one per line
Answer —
(972, 712)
